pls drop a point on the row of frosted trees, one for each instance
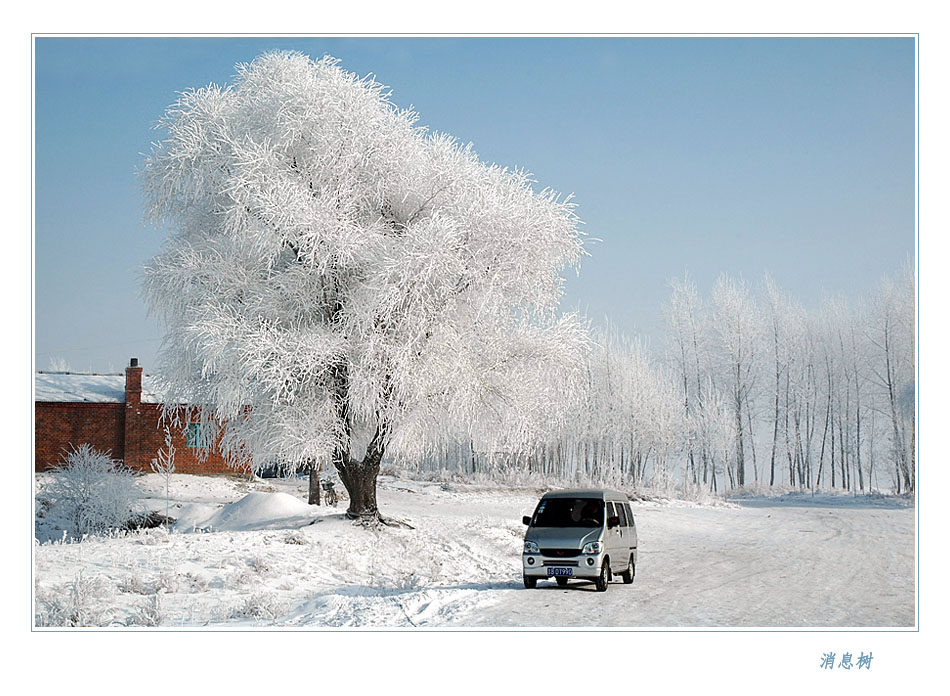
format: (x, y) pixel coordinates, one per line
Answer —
(774, 394)
(751, 390)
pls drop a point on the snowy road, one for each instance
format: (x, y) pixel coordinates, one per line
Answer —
(796, 561)
(762, 564)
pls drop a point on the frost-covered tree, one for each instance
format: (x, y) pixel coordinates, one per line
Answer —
(737, 329)
(628, 419)
(164, 466)
(686, 325)
(340, 284)
(778, 343)
(89, 493)
(892, 335)
(716, 427)
(835, 383)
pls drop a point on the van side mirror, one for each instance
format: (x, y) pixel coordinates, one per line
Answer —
(613, 522)
(526, 520)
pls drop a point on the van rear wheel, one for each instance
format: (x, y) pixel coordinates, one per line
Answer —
(628, 574)
(601, 582)
(530, 583)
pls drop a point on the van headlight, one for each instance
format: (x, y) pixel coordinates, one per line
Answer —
(531, 547)
(593, 547)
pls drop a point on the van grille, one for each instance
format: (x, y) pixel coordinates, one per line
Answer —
(561, 553)
(560, 563)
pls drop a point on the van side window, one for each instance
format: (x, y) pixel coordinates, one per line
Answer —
(626, 508)
(623, 514)
(610, 511)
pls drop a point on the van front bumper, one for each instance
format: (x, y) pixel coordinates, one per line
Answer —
(536, 565)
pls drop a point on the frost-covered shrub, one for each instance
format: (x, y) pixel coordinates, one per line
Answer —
(296, 537)
(150, 613)
(260, 605)
(79, 603)
(167, 582)
(260, 565)
(199, 582)
(89, 493)
(699, 493)
(408, 582)
(242, 577)
(134, 584)
(154, 536)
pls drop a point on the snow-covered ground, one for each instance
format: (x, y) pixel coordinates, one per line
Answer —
(253, 553)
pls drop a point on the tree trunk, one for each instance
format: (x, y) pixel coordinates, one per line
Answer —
(824, 438)
(774, 442)
(912, 454)
(834, 447)
(846, 472)
(755, 465)
(740, 448)
(858, 448)
(359, 479)
(314, 492)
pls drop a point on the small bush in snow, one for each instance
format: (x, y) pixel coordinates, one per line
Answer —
(408, 582)
(199, 583)
(166, 582)
(154, 536)
(260, 565)
(698, 493)
(150, 613)
(259, 606)
(90, 493)
(242, 577)
(79, 603)
(133, 584)
(296, 537)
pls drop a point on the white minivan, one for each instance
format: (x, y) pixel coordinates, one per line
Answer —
(585, 534)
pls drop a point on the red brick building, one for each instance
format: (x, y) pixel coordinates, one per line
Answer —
(112, 413)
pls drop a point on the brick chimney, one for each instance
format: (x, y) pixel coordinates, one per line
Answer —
(133, 382)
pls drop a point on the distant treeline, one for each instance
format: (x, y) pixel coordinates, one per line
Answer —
(752, 390)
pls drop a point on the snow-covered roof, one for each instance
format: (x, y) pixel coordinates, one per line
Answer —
(78, 387)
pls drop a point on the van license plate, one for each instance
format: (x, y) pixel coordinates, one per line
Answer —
(560, 571)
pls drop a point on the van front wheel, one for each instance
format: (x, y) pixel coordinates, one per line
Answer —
(530, 583)
(601, 582)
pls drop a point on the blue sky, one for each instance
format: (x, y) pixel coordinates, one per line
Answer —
(716, 155)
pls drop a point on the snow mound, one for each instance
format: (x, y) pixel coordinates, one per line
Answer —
(253, 511)
(193, 516)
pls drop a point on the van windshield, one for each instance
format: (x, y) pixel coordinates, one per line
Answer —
(569, 512)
